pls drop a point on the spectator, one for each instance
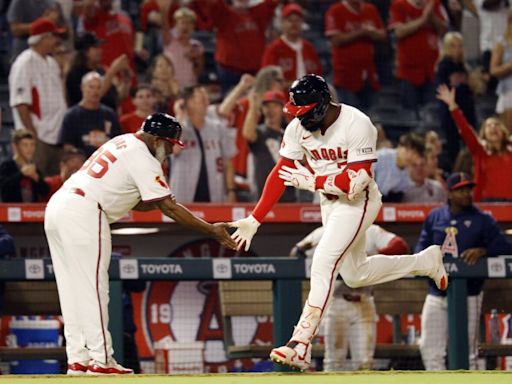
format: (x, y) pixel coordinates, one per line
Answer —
(240, 35)
(20, 180)
(295, 55)
(492, 15)
(452, 70)
(186, 53)
(152, 15)
(62, 55)
(268, 79)
(467, 233)
(7, 248)
(351, 316)
(144, 102)
(353, 27)
(89, 51)
(22, 13)
(422, 189)
(202, 171)
(113, 27)
(492, 151)
(162, 77)
(418, 26)
(70, 162)
(89, 124)
(501, 68)
(265, 139)
(36, 93)
(391, 172)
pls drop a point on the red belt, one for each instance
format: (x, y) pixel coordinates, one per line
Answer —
(331, 197)
(77, 191)
(352, 297)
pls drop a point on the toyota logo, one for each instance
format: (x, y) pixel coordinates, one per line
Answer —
(34, 269)
(221, 268)
(128, 269)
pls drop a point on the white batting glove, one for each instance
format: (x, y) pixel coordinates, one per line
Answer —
(358, 182)
(299, 177)
(246, 229)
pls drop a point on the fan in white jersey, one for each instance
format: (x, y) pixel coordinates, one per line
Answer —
(123, 174)
(338, 142)
(350, 318)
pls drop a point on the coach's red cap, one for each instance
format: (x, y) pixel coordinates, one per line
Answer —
(274, 96)
(292, 8)
(459, 180)
(41, 27)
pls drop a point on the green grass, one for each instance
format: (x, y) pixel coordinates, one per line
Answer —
(396, 377)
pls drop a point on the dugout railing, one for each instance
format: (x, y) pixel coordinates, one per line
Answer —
(286, 274)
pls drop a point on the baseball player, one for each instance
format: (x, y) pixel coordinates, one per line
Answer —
(350, 318)
(464, 231)
(338, 141)
(123, 174)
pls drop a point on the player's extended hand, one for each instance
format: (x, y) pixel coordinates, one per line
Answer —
(299, 177)
(472, 255)
(246, 229)
(221, 234)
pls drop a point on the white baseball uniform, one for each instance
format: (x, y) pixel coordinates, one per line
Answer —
(120, 174)
(350, 320)
(350, 139)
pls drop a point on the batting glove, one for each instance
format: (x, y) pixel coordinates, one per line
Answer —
(358, 182)
(246, 229)
(299, 177)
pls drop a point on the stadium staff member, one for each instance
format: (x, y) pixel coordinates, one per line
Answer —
(123, 174)
(464, 231)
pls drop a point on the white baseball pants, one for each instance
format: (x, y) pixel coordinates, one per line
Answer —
(434, 331)
(78, 234)
(350, 325)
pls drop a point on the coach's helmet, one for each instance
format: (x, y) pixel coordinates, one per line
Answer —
(163, 126)
(309, 101)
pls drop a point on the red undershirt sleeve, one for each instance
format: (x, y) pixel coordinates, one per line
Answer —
(342, 181)
(272, 191)
(396, 246)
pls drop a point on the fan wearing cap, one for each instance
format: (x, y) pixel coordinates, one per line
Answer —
(123, 174)
(338, 142)
(265, 139)
(463, 231)
(89, 52)
(294, 54)
(36, 93)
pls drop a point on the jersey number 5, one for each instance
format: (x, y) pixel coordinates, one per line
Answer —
(97, 165)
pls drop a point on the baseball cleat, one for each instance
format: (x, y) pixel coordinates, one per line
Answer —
(295, 354)
(112, 368)
(439, 275)
(77, 369)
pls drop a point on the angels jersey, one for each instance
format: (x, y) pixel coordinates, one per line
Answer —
(351, 138)
(120, 174)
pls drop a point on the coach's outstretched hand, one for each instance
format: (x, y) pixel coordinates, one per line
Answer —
(246, 229)
(221, 234)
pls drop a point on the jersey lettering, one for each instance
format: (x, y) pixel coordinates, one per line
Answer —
(97, 165)
(119, 142)
(329, 154)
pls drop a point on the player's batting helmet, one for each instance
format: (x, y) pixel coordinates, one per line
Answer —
(164, 126)
(309, 101)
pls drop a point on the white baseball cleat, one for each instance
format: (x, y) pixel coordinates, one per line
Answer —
(111, 368)
(77, 369)
(295, 354)
(439, 274)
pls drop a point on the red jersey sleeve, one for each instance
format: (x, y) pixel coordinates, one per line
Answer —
(397, 14)
(467, 132)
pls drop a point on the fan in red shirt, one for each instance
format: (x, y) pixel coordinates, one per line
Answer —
(151, 14)
(353, 27)
(240, 33)
(492, 154)
(295, 55)
(70, 162)
(144, 101)
(114, 28)
(418, 25)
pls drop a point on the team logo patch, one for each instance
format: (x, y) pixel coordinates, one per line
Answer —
(467, 223)
(20, 90)
(159, 180)
(291, 97)
(364, 151)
